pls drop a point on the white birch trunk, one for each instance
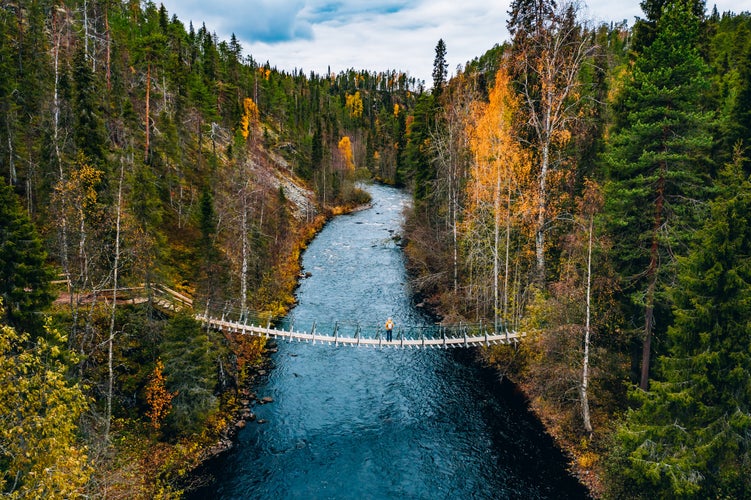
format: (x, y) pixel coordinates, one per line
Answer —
(111, 340)
(585, 368)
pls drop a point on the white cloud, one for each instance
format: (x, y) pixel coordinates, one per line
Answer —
(374, 34)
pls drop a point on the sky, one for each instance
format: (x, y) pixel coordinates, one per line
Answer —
(376, 35)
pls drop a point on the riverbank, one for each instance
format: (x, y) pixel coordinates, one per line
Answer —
(583, 453)
(383, 423)
(239, 408)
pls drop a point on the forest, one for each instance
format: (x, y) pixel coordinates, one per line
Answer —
(582, 183)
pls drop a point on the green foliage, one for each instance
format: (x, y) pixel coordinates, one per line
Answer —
(419, 164)
(690, 435)
(190, 370)
(439, 68)
(89, 128)
(24, 274)
(657, 163)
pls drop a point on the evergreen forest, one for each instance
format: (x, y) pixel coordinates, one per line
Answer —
(586, 184)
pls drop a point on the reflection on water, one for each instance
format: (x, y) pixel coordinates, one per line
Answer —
(381, 423)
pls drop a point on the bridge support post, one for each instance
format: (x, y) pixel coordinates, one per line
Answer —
(336, 333)
(357, 334)
(313, 332)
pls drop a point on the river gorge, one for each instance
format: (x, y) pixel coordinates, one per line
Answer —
(370, 423)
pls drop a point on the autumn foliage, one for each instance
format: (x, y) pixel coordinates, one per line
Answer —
(158, 398)
(250, 116)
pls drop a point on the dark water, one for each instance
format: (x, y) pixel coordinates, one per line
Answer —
(370, 423)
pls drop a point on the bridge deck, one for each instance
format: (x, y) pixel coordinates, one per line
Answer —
(444, 341)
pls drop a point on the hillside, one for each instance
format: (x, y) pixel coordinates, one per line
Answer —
(585, 184)
(137, 154)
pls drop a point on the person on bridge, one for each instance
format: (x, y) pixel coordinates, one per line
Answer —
(389, 327)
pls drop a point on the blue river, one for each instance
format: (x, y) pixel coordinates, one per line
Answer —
(370, 423)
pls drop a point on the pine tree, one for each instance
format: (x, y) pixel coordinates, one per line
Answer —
(24, 274)
(439, 68)
(644, 31)
(658, 166)
(692, 435)
(89, 130)
(190, 373)
(418, 157)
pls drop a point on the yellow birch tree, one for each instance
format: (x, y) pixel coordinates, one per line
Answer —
(40, 453)
(498, 199)
(345, 148)
(249, 117)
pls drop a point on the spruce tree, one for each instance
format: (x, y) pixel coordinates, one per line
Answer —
(658, 166)
(191, 374)
(439, 68)
(24, 274)
(89, 130)
(692, 435)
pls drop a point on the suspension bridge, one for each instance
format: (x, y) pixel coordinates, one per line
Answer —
(353, 334)
(357, 335)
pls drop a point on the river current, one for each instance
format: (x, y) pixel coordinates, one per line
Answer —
(369, 423)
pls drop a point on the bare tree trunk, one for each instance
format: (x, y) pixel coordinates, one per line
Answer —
(86, 29)
(12, 175)
(108, 73)
(245, 252)
(652, 286)
(63, 218)
(111, 340)
(496, 243)
(541, 214)
(508, 244)
(587, 332)
(148, 93)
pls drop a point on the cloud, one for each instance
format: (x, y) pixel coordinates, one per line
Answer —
(376, 35)
(269, 21)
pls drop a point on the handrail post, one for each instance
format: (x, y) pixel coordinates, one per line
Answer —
(465, 336)
(443, 334)
(401, 335)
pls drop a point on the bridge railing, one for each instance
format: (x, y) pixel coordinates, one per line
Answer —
(357, 334)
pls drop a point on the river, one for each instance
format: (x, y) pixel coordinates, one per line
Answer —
(369, 423)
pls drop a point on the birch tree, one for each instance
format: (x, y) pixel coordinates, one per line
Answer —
(550, 47)
(495, 192)
(449, 141)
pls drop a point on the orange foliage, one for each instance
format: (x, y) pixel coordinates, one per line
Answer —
(249, 117)
(354, 105)
(158, 397)
(501, 166)
(345, 148)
